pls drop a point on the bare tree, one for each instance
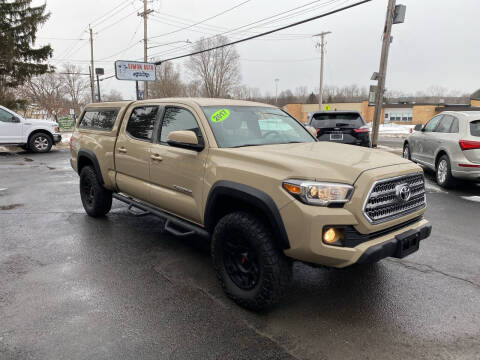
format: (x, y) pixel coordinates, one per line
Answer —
(113, 95)
(46, 92)
(193, 88)
(75, 85)
(218, 70)
(168, 83)
(301, 93)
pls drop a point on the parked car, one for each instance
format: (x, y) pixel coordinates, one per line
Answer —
(449, 144)
(255, 181)
(30, 134)
(347, 127)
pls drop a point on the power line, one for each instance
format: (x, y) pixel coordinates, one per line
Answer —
(259, 21)
(269, 32)
(123, 5)
(202, 21)
(116, 22)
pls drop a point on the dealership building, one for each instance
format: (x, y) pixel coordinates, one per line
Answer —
(400, 113)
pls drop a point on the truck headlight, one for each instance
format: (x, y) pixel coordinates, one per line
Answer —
(56, 129)
(318, 193)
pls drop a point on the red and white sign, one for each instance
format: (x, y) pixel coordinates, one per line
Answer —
(134, 70)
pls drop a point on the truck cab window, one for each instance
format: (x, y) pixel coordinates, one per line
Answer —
(176, 119)
(142, 121)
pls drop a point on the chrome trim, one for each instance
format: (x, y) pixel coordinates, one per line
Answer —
(395, 216)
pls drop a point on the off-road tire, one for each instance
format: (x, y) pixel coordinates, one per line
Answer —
(40, 143)
(96, 200)
(274, 267)
(407, 154)
(444, 176)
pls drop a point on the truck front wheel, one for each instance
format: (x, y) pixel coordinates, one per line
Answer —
(252, 270)
(97, 201)
(40, 143)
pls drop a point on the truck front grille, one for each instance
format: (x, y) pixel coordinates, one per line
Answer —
(395, 197)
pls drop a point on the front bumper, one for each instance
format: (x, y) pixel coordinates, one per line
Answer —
(399, 246)
(57, 138)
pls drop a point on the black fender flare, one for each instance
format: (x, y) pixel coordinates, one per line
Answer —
(249, 195)
(93, 158)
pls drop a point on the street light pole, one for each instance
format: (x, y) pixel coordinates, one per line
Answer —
(321, 44)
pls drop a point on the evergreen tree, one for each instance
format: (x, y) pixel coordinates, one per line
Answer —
(19, 60)
(312, 99)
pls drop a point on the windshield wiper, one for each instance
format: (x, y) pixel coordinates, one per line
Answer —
(237, 146)
(341, 124)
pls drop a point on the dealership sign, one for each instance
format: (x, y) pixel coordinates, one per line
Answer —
(134, 70)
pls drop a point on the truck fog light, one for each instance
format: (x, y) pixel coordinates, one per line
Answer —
(332, 235)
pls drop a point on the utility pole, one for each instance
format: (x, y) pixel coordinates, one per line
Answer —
(92, 68)
(387, 30)
(276, 90)
(321, 44)
(144, 14)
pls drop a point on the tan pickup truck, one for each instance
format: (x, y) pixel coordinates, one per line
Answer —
(255, 181)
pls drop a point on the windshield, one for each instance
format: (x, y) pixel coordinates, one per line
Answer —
(236, 126)
(337, 120)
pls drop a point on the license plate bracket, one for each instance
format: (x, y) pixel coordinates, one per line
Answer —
(336, 136)
(407, 243)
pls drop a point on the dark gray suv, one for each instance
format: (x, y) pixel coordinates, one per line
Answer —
(345, 127)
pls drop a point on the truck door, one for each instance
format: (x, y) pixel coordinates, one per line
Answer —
(177, 174)
(132, 151)
(10, 128)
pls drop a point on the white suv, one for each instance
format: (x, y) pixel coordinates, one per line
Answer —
(449, 144)
(30, 134)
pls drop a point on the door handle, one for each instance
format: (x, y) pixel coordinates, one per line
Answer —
(156, 157)
(122, 150)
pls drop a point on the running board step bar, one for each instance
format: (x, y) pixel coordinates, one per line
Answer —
(173, 224)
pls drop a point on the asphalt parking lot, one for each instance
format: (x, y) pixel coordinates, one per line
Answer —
(74, 287)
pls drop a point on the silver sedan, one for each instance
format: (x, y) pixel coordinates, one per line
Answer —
(449, 144)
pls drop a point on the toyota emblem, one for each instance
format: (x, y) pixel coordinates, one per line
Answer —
(403, 192)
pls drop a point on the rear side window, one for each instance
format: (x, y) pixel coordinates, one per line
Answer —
(176, 119)
(142, 121)
(101, 119)
(475, 128)
(445, 124)
(337, 120)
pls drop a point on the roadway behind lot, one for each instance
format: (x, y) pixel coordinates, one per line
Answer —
(75, 287)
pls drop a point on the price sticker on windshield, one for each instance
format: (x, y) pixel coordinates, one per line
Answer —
(220, 115)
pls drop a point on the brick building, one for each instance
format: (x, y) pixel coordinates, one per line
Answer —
(399, 113)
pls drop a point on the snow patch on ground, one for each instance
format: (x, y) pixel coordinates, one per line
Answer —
(471, 198)
(394, 129)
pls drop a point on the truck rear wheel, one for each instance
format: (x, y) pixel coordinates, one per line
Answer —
(40, 143)
(96, 200)
(252, 270)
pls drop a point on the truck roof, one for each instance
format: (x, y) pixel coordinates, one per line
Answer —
(183, 100)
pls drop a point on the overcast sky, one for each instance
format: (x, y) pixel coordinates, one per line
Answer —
(437, 45)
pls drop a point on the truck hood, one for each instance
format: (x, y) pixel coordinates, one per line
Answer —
(41, 122)
(320, 161)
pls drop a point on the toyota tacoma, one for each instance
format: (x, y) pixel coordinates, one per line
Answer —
(255, 181)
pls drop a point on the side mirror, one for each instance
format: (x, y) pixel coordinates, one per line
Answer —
(418, 127)
(185, 139)
(312, 131)
(15, 119)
